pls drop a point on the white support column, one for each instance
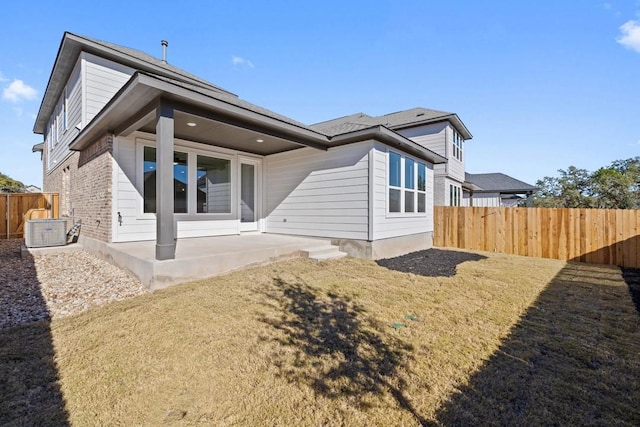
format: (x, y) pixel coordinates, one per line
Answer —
(165, 223)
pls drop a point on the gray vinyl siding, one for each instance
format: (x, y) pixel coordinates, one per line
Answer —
(387, 225)
(438, 137)
(441, 191)
(319, 193)
(455, 167)
(103, 78)
(432, 137)
(59, 150)
(485, 200)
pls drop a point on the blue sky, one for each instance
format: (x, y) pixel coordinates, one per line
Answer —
(541, 85)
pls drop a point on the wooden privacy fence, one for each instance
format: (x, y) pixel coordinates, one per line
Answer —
(596, 236)
(15, 208)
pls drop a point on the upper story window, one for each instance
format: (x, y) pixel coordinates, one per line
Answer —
(64, 109)
(457, 142)
(407, 185)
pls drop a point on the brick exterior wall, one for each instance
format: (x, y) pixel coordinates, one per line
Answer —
(83, 181)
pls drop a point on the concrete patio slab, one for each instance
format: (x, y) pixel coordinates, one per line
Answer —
(202, 257)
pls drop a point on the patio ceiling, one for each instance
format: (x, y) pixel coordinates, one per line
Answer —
(213, 132)
(217, 122)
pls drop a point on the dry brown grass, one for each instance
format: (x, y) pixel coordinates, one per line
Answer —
(508, 340)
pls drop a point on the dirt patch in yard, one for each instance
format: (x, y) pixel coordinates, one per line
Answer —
(430, 262)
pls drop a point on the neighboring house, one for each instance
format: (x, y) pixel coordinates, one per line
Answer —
(496, 190)
(141, 150)
(32, 189)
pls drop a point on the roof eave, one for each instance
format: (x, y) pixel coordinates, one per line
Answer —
(508, 191)
(391, 138)
(70, 48)
(143, 89)
(451, 117)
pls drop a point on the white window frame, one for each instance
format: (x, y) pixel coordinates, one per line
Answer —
(455, 195)
(192, 152)
(456, 143)
(193, 175)
(402, 187)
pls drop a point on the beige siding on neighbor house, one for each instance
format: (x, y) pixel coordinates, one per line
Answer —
(387, 225)
(485, 200)
(319, 193)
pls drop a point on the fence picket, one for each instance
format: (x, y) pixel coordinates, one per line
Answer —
(601, 236)
(14, 206)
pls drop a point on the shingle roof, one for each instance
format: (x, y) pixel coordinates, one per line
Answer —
(151, 60)
(498, 182)
(234, 100)
(399, 119)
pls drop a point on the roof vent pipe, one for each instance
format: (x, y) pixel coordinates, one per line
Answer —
(164, 50)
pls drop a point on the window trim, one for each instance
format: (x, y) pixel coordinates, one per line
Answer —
(455, 195)
(192, 152)
(456, 144)
(403, 189)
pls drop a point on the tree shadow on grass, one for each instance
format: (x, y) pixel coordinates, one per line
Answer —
(29, 389)
(430, 262)
(632, 278)
(338, 351)
(573, 359)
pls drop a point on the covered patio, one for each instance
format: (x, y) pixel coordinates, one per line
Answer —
(198, 258)
(166, 110)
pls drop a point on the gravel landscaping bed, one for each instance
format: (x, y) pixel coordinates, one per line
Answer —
(56, 285)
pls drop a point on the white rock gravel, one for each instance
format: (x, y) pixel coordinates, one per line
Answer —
(56, 285)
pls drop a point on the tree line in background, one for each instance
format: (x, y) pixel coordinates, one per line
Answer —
(10, 185)
(616, 186)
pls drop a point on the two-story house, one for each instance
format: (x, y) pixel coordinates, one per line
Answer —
(441, 132)
(141, 150)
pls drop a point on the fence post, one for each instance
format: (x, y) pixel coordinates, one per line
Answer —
(8, 215)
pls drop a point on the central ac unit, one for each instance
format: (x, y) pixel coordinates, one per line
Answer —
(39, 233)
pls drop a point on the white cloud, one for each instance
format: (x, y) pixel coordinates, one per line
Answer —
(630, 35)
(238, 61)
(18, 91)
(3, 78)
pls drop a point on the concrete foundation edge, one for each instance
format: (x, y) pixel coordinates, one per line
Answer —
(136, 267)
(385, 248)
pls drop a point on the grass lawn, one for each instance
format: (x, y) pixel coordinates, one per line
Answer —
(506, 341)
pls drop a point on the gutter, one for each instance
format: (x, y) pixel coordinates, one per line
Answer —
(389, 137)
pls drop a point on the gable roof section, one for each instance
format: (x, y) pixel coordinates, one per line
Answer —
(143, 88)
(395, 121)
(70, 48)
(154, 76)
(497, 183)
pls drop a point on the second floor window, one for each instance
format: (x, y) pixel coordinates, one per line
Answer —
(457, 142)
